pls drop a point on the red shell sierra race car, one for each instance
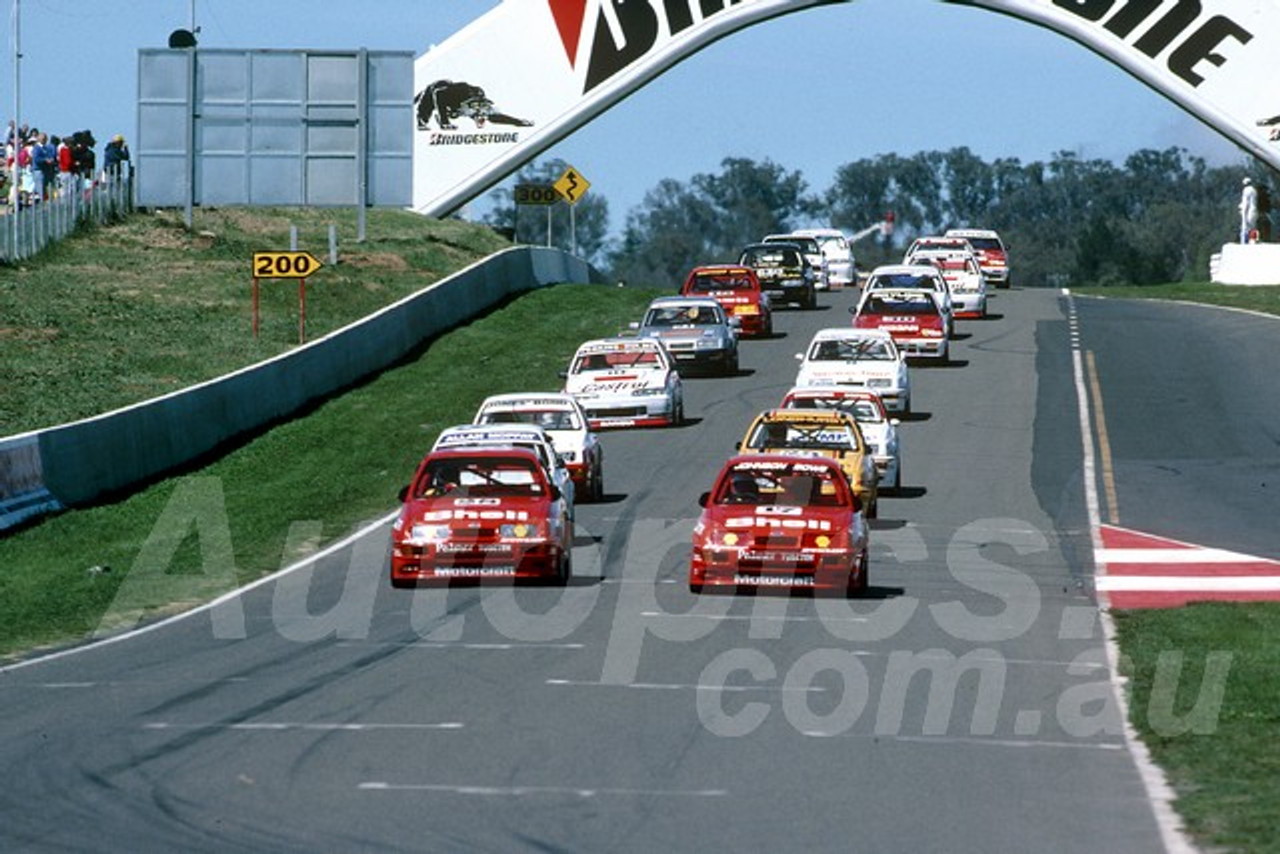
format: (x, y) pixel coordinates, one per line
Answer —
(738, 290)
(780, 521)
(912, 317)
(481, 513)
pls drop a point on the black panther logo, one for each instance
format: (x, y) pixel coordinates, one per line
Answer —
(446, 100)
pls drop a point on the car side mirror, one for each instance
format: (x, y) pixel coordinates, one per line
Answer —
(555, 493)
(799, 357)
(735, 322)
(704, 499)
(404, 493)
(564, 375)
(857, 503)
(895, 421)
(635, 324)
(853, 309)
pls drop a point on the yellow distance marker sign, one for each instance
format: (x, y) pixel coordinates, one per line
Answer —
(284, 265)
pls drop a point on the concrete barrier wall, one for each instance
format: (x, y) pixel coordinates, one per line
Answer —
(88, 460)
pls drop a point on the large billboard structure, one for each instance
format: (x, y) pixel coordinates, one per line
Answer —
(274, 127)
(529, 72)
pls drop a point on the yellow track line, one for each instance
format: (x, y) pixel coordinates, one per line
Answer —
(1104, 444)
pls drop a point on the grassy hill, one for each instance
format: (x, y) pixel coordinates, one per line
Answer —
(126, 312)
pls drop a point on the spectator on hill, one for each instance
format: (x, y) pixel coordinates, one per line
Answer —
(82, 143)
(66, 166)
(1248, 210)
(114, 156)
(44, 165)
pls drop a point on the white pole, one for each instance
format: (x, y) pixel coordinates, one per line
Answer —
(17, 120)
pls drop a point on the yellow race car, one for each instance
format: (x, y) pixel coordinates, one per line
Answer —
(820, 432)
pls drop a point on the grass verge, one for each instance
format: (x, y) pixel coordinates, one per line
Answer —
(1219, 752)
(1205, 697)
(289, 491)
(1263, 298)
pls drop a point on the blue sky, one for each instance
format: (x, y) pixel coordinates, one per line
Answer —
(865, 78)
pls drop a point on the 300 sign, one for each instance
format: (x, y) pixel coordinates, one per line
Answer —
(284, 265)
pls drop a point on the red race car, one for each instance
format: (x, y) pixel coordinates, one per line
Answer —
(912, 317)
(738, 290)
(780, 520)
(481, 513)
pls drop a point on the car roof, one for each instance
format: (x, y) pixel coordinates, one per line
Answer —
(691, 301)
(834, 392)
(779, 459)
(484, 452)
(838, 332)
(772, 244)
(783, 413)
(914, 269)
(530, 399)
(971, 232)
(722, 270)
(618, 344)
(904, 295)
(496, 433)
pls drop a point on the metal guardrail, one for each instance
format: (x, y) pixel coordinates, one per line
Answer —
(74, 465)
(36, 227)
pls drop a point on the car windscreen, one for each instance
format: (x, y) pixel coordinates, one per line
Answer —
(482, 477)
(892, 305)
(986, 244)
(617, 360)
(851, 350)
(676, 316)
(902, 280)
(770, 258)
(773, 435)
(706, 283)
(547, 419)
(861, 409)
(790, 484)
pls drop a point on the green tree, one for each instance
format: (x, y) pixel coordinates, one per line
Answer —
(678, 227)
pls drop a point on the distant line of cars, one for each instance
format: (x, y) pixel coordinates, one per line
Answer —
(790, 510)
(495, 498)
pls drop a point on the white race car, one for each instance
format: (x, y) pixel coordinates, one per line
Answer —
(527, 436)
(960, 270)
(565, 421)
(857, 359)
(867, 407)
(626, 382)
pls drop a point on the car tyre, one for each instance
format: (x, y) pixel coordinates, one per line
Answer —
(859, 586)
(695, 589)
(596, 490)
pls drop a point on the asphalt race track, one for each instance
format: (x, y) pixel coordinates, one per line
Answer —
(964, 705)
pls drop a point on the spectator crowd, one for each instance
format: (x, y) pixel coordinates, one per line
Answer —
(40, 168)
